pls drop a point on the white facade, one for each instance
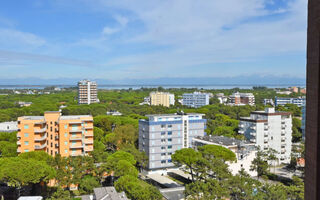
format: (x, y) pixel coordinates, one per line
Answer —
(196, 99)
(87, 92)
(281, 101)
(245, 151)
(8, 126)
(269, 130)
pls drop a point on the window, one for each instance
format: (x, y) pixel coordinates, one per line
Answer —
(66, 143)
(152, 150)
(169, 161)
(163, 161)
(163, 140)
(152, 135)
(163, 125)
(26, 126)
(179, 127)
(152, 128)
(26, 150)
(66, 126)
(26, 134)
(66, 150)
(26, 143)
(170, 147)
(163, 154)
(169, 140)
(65, 134)
(169, 132)
(152, 143)
(163, 133)
(152, 157)
(179, 133)
(74, 143)
(170, 153)
(179, 141)
(170, 126)
(74, 151)
(163, 148)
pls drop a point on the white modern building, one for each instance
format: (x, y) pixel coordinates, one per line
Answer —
(244, 150)
(268, 102)
(87, 92)
(222, 98)
(281, 101)
(269, 130)
(196, 99)
(9, 126)
(161, 135)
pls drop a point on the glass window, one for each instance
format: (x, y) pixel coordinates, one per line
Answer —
(169, 132)
(66, 143)
(179, 127)
(169, 161)
(163, 161)
(170, 126)
(152, 128)
(163, 148)
(26, 150)
(26, 126)
(169, 147)
(66, 135)
(74, 142)
(169, 140)
(26, 135)
(163, 125)
(66, 151)
(74, 151)
(152, 150)
(152, 157)
(152, 143)
(179, 133)
(163, 154)
(26, 143)
(152, 135)
(163, 133)
(66, 126)
(170, 153)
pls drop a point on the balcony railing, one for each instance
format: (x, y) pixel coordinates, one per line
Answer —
(75, 130)
(43, 130)
(41, 146)
(18, 143)
(241, 131)
(44, 137)
(76, 146)
(88, 148)
(40, 123)
(253, 133)
(252, 140)
(88, 141)
(76, 138)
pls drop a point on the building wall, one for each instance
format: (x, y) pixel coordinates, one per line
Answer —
(275, 133)
(161, 98)
(55, 134)
(195, 100)
(160, 139)
(87, 92)
(8, 126)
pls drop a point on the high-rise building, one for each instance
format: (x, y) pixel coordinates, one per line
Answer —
(87, 92)
(281, 101)
(196, 99)
(55, 134)
(239, 99)
(269, 130)
(162, 98)
(303, 122)
(161, 135)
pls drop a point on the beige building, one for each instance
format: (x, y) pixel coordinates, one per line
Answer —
(87, 92)
(162, 98)
(240, 99)
(55, 134)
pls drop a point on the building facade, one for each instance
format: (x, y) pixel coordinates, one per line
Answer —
(244, 150)
(281, 101)
(239, 99)
(269, 130)
(8, 126)
(55, 134)
(196, 99)
(161, 98)
(161, 135)
(87, 92)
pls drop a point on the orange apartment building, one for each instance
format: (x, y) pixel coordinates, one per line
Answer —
(56, 134)
(242, 99)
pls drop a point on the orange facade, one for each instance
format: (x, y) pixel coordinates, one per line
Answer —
(56, 134)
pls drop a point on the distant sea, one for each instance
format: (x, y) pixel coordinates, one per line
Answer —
(134, 87)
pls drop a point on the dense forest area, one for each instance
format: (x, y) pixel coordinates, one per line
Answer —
(116, 141)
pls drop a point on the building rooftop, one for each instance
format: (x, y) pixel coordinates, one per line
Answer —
(31, 198)
(33, 117)
(73, 117)
(222, 140)
(108, 193)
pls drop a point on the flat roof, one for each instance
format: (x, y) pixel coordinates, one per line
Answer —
(31, 198)
(73, 117)
(222, 140)
(33, 117)
(173, 114)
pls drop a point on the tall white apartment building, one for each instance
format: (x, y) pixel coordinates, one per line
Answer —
(161, 98)
(87, 92)
(196, 99)
(281, 101)
(269, 129)
(161, 135)
(240, 99)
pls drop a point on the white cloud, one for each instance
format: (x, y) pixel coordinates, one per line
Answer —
(108, 31)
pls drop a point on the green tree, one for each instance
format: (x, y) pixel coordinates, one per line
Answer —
(218, 152)
(124, 167)
(188, 157)
(260, 164)
(8, 149)
(88, 183)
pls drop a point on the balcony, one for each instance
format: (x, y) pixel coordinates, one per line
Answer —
(75, 131)
(88, 141)
(76, 146)
(41, 139)
(41, 146)
(18, 143)
(266, 134)
(75, 122)
(56, 145)
(56, 137)
(241, 131)
(241, 125)
(253, 128)
(18, 151)
(283, 126)
(43, 130)
(265, 140)
(40, 123)
(253, 133)
(88, 134)
(75, 138)
(253, 140)
(88, 148)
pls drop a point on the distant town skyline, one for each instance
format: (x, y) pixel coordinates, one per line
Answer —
(116, 40)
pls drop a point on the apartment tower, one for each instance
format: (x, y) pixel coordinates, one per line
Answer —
(87, 92)
(55, 134)
(240, 99)
(196, 99)
(269, 130)
(161, 135)
(162, 98)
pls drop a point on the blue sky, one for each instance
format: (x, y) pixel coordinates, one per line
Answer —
(152, 38)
